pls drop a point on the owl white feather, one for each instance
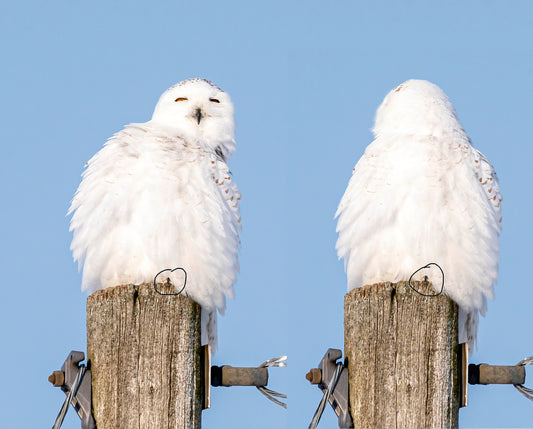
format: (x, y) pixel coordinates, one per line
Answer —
(160, 195)
(420, 194)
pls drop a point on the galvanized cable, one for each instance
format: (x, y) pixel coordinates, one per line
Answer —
(526, 391)
(275, 362)
(271, 394)
(73, 390)
(327, 393)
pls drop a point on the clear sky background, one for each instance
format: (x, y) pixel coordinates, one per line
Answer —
(306, 79)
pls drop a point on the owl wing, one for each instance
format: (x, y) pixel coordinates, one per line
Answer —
(486, 175)
(225, 242)
(228, 188)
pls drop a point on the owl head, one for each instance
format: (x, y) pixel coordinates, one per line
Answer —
(199, 111)
(416, 107)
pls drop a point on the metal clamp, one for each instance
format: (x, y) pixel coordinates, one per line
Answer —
(75, 381)
(332, 378)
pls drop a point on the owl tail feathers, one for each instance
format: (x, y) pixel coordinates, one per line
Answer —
(208, 326)
(468, 323)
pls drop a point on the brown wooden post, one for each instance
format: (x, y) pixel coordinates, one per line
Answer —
(145, 356)
(402, 353)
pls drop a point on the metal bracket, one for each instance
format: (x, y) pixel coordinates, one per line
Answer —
(323, 376)
(206, 375)
(64, 379)
(463, 374)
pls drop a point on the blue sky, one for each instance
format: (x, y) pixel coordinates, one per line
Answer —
(305, 78)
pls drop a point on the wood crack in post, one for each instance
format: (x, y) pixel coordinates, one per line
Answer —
(136, 305)
(427, 406)
(393, 308)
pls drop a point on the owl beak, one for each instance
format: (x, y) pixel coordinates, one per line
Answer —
(198, 115)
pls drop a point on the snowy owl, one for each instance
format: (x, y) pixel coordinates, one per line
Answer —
(160, 195)
(420, 194)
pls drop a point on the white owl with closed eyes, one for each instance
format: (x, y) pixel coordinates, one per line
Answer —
(160, 195)
(422, 194)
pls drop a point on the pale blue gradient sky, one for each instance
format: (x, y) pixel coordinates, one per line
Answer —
(305, 78)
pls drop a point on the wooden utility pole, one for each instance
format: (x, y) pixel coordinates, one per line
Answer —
(402, 354)
(145, 356)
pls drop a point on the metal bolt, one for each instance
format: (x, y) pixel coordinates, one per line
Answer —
(314, 376)
(57, 378)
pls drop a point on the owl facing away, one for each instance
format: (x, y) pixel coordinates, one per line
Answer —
(420, 194)
(160, 195)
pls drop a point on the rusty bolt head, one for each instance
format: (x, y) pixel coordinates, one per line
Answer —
(57, 378)
(314, 376)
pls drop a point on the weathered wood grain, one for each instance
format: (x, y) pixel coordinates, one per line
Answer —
(402, 357)
(144, 351)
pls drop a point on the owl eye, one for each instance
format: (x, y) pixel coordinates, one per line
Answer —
(181, 99)
(214, 100)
